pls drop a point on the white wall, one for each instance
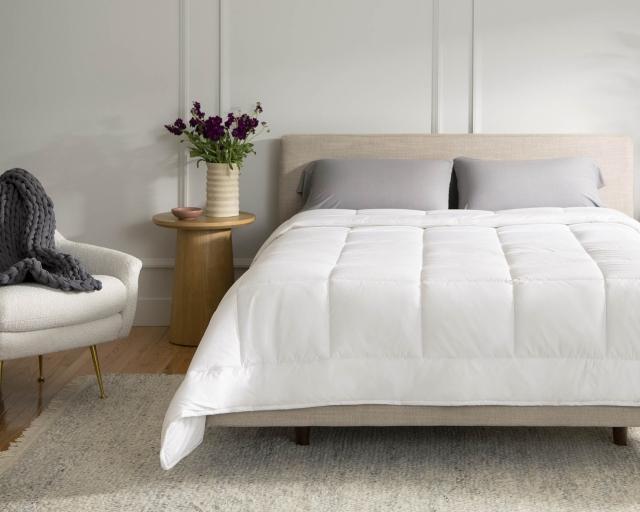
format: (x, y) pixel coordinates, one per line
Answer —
(548, 66)
(87, 84)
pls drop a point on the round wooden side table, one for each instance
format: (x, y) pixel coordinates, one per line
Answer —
(203, 271)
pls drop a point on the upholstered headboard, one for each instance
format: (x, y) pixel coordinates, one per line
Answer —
(613, 153)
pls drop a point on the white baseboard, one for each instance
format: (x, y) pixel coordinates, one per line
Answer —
(170, 262)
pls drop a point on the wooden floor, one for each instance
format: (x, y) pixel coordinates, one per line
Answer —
(22, 397)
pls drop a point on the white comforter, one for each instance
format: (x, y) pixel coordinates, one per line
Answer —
(520, 307)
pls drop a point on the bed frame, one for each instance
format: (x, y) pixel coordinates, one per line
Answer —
(614, 155)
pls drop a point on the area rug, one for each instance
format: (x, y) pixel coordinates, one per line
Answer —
(87, 454)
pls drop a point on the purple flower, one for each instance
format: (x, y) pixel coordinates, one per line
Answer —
(239, 133)
(245, 126)
(213, 129)
(197, 125)
(196, 111)
(230, 134)
(177, 127)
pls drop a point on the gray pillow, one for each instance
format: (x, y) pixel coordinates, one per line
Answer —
(364, 184)
(504, 184)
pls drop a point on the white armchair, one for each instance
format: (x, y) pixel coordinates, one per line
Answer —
(36, 320)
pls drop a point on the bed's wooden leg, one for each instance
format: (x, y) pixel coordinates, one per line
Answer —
(620, 436)
(302, 435)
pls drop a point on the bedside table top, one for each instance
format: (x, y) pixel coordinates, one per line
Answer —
(168, 220)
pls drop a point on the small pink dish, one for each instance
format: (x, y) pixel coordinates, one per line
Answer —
(187, 213)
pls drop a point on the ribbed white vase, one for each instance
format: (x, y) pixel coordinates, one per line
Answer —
(223, 190)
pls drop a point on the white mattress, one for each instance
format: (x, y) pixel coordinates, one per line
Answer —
(461, 307)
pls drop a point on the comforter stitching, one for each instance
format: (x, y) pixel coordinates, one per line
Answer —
(604, 285)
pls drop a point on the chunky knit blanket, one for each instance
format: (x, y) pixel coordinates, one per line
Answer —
(27, 244)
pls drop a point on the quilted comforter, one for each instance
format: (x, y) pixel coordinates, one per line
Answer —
(520, 307)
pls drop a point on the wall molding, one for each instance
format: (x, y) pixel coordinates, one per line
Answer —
(153, 263)
(184, 66)
(473, 116)
(435, 67)
(223, 56)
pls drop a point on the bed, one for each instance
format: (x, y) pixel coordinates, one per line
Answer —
(345, 317)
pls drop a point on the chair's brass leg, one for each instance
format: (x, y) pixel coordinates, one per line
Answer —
(1, 369)
(40, 364)
(96, 367)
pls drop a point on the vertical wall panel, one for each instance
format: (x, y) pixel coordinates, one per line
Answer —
(558, 66)
(455, 65)
(332, 66)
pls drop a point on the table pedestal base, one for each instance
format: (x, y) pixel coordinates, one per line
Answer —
(203, 274)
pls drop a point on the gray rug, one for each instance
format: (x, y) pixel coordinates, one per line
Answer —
(86, 454)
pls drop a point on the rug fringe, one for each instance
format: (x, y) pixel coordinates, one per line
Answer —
(52, 411)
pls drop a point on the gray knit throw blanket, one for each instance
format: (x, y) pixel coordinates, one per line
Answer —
(27, 244)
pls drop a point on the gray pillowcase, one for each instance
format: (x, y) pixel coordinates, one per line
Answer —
(368, 184)
(504, 184)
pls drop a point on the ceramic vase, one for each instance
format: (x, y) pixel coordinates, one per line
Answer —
(223, 190)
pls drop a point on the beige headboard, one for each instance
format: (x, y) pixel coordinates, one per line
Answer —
(613, 153)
